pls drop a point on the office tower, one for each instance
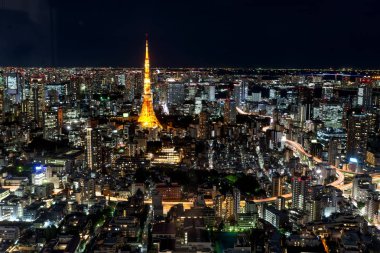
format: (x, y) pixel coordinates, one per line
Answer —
(38, 176)
(50, 125)
(365, 97)
(238, 94)
(203, 133)
(372, 205)
(280, 203)
(244, 91)
(360, 181)
(219, 206)
(89, 155)
(327, 91)
(333, 151)
(90, 188)
(373, 123)
(272, 94)
(2, 90)
(13, 88)
(233, 112)
(211, 93)
(276, 115)
(331, 114)
(226, 111)
(250, 207)
(37, 100)
(275, 217)
(313, 208)
(256, 96)
(277, 184)
(301, 187)
(305, 111)
(96, 153)
(60, 119)
(229, 214)
(147, 117)
(175, 93)
(316, 148)
(158, 210)
(133, 79)
(229, 111)
(120, 80)
(74, 87)
(357, 136)
(236, 194)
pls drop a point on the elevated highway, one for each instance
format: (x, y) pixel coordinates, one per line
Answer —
(340, 174)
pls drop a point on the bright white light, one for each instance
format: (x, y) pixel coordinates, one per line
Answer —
(353, 160)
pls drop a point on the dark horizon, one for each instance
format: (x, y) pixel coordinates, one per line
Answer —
(213, 34)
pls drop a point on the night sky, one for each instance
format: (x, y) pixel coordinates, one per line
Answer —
(191, 33)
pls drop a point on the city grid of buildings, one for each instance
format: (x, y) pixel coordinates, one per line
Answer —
(177, 160)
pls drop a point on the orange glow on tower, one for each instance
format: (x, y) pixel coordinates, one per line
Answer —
(147, 117)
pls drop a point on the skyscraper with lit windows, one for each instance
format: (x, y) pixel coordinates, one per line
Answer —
(300, 191)
(357, 136)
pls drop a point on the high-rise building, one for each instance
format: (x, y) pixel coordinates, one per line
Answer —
(147, 117)
(176, 93)
(280, 203)
(277, 184)
(236, 193)
(1, 101)
(50, 125)
(305, 112)
(365, 97)
(301, 187)
(229, 206)
(372, 206)
(360, 181)
(357, 136)
(273, 94)
(275, 217)
(313, 208)
(219, 206)
(229, 111)
(120, 79)
(333, 151)
(89, 157)
(96, 153)
(158, 210)
(256, 96)
(37, 100)
(211, 93)
(203, 125)
(238, 90)
(250, 207)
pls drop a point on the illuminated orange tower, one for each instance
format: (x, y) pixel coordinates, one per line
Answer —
(147, 117)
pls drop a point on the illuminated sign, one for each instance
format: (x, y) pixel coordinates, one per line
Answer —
(353, 160)
(39, 169)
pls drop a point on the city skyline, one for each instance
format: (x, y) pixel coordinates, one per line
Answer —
(189, 160)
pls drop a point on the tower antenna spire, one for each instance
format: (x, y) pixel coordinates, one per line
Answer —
(146, 47)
